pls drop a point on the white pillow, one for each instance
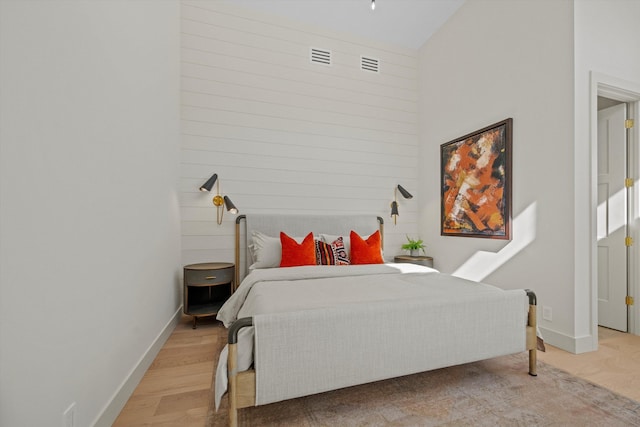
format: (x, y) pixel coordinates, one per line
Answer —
(267, 250)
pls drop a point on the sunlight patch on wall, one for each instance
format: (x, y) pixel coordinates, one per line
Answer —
(483, 263)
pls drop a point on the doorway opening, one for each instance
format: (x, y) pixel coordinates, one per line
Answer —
(617, 210)
(613, 219)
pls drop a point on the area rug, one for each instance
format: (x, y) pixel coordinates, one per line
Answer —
(495, 392)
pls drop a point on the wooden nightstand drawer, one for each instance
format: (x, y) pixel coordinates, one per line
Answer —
(208, 277)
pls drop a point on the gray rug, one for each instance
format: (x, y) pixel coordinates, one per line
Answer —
(496, 392)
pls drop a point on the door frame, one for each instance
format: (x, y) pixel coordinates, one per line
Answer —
(612, 310)
(619, 90)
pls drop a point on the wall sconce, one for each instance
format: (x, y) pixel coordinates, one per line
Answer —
(218, 201)
(394, 204)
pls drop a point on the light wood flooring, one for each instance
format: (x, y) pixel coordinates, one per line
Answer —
(175, 389)
(615, 365)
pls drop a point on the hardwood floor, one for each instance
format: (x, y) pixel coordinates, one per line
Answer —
(616, 364)
(175, 389)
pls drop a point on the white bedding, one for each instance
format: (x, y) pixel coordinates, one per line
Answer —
(377, 313)
(328, 286)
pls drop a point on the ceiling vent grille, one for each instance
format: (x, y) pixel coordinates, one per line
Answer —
(369, 64)
(321, 56)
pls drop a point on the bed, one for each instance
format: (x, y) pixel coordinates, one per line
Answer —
(307, 329)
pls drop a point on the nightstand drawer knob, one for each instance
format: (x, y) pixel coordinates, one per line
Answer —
(210, 277)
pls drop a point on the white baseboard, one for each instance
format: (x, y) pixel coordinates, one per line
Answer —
(574, 345)
(120, 397)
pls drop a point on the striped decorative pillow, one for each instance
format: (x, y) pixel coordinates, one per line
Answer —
(333, 253)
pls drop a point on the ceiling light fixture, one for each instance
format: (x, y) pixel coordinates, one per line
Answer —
(373, 4)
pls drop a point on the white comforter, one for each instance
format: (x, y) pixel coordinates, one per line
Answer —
(377, 312)
(331, 285)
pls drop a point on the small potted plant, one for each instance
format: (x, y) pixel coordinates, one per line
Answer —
(414, 246)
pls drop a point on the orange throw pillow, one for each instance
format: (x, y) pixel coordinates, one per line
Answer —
(366, 251)
(295, 254)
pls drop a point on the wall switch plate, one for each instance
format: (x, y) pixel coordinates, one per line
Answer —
(69, 416)
(547, 313)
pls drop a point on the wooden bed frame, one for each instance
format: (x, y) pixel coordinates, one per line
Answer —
(242, 385)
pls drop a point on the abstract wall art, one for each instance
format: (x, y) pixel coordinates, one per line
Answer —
(475, 187)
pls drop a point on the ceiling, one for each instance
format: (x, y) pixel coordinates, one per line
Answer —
(406, 23)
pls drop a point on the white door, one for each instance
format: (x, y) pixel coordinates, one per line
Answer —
(612, 218)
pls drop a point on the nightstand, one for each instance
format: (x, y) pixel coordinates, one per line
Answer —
(206, 287)
(427, 261)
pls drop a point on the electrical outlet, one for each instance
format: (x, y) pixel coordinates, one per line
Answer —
(547, 313)
(69, 416)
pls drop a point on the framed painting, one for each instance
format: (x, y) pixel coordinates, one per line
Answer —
(475, 186)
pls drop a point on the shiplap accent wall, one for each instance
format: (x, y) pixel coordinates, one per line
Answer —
(288, 135)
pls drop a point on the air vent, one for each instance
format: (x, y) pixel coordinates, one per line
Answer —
(320, 56)
(369, 64)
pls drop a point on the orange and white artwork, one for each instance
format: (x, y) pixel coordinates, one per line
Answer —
(476, 183)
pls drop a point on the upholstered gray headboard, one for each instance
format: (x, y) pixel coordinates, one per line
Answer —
(297, 225)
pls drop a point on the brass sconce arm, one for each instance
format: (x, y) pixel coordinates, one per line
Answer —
(219, 201)
(394, 204)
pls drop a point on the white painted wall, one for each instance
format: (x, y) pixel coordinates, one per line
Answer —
(89, 253)
(286, 135)
(89, 217)
(491, 61)
(607, 34)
